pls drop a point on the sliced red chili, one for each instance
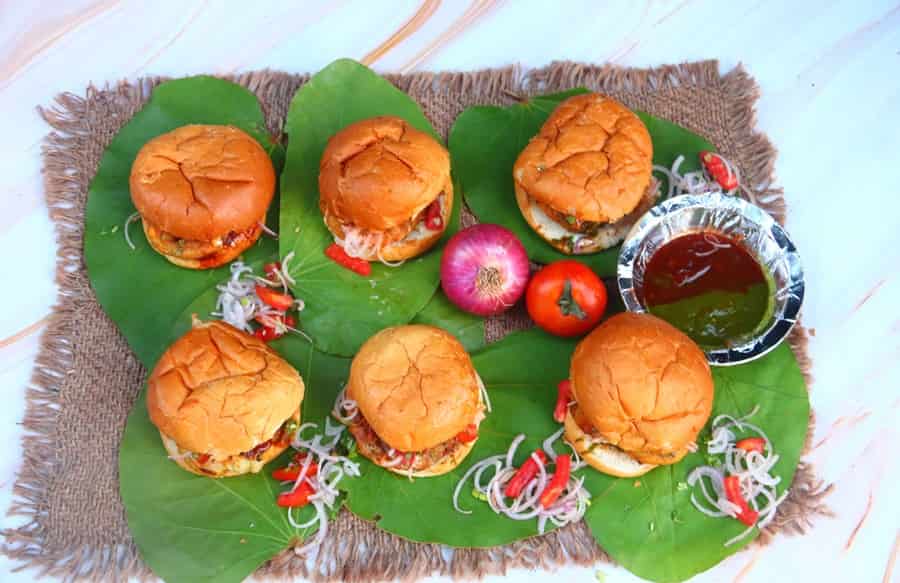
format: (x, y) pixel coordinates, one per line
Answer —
(299, 497)
(266, 333)
(716, 168)
(752, 444)
(433, 218)
(337, 254)
(733, 494)
(292, 472)
(563, 396)
(271, 270)
(558, 482)
(277, 300)
(203, 458)
(524, 475)
(469, 434)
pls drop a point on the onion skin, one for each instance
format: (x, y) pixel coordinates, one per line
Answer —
(484, 269)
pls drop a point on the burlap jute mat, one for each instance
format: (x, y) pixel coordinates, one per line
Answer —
(86, 377)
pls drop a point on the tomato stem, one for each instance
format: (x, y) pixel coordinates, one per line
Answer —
(567, 304)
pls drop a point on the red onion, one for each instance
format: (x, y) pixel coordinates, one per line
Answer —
(484, 269)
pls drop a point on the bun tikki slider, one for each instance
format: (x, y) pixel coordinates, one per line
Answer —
(202, 192)
(224, 402)
(385, 190)
(586, 177)
(642, 391)
(419, 400)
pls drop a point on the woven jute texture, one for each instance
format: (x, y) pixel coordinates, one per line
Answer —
(86, 378)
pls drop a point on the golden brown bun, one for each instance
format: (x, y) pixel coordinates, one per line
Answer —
(592, 159)
(201, 182)
(236, 465)
(448, 463)
(220, 391)
(378, 173)
(201, 254)
(644, 385)
(606, 458)
(405, 248)
(415, 385)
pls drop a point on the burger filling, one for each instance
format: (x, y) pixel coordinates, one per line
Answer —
(597, 440)
(169, 244)
(579, 236)
(250, 461)
(374, 448)
(364, 244)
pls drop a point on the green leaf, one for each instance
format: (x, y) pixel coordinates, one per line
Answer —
(342, 308)
(139, 290)
(653, 530)
(441, 312)
(192, 528)
(486, 140)
(521, 373)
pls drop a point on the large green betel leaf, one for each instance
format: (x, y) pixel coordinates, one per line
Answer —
(648, 525)
(486, 140)
(520, 373)
(343, 308)
(653, 530)
(139, 290)
(193, 528)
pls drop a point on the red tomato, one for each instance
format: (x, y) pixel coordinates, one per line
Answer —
(566, 298)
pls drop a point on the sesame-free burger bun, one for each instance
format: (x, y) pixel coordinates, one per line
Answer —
(415, 386)
(221, 392)
(592, 158)
(592, 162)
(202, 192)
(378, 175)
(441, 467)
(644, 386)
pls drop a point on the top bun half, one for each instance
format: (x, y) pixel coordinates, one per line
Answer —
(379, 173)
(415, 385)
(200, 182)
(592, 159)
(220, 391)
(644, 385)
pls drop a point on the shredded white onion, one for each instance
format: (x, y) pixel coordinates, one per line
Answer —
(331, 470)
(131, 218)
(239, 305)
(286, 269)
(345, 410)
(696, 181)
(267, 230)
(752, 469)
(548, 443)
(569, 507)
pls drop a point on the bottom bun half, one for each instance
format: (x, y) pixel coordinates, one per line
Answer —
(606, 458)
(412, 245)
(207, 255)
(236, 465)
(440, 468)
(607, 236)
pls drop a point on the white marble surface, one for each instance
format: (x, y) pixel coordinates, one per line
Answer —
(830, 76)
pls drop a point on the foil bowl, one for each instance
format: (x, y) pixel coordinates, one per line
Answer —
(729, 215)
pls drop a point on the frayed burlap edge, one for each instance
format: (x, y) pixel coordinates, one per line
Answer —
(383, 556)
